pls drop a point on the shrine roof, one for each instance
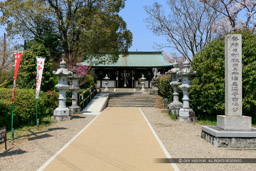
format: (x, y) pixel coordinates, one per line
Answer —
(137, 59)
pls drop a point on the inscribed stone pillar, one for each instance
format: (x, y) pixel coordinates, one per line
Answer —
(233, 119)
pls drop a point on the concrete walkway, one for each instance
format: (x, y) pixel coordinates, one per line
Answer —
(97, 104)
(119, 139)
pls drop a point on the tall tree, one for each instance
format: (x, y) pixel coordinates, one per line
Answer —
(187, 27)
(234, 14)
(73, 21)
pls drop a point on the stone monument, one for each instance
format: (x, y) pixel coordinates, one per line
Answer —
(74, 87)
(186, 114)
(174, 106)
(233, 129)
(62, 112)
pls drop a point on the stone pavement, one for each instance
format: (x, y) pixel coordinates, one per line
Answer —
(97, 104)
(119, 139)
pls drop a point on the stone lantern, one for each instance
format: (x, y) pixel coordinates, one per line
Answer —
(175, 106)
(186, 114)
(143, 79)
(62, 112)
(74, 87)
(106, 83)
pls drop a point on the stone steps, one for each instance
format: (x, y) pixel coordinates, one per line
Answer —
(131, 99)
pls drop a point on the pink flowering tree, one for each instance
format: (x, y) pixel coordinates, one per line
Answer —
(81, 70)
(233, 14)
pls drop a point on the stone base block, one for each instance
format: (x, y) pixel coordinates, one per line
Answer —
(75, 109)
(61, 118)
(234, 122)
(61, 114)
(186, 115)
(61, 111)
(187, 119)
(174, 107)
(229, 139)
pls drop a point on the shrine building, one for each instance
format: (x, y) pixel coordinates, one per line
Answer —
(128, 70)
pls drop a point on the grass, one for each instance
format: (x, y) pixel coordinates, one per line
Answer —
(26, 131)
(206, 122)
(173, 116)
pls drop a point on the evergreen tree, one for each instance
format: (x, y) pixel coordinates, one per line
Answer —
(27, 72)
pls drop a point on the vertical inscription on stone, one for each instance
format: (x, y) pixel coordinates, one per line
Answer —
(233, 74)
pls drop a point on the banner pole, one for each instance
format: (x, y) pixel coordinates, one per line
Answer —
(36, 92)
(12, 101)
(36, 116)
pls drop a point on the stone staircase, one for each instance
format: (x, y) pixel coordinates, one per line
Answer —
(131, 99)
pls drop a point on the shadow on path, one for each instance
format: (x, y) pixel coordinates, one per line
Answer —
(9, 152)
(40, 137)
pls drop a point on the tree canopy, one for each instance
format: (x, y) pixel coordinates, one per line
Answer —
(84, 28)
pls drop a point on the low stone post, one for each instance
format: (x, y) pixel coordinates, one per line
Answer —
(143, 79)
(106, 83)
(175, 105)
(62, 112)
(74, 87)
(186, 114)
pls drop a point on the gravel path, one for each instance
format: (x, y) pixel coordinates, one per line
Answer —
(30, 153)
(183, 140)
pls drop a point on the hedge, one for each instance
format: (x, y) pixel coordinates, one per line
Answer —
(165, 89)
(25, 106)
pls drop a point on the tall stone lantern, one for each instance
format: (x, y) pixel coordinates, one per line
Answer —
(74, 87)
(106, 83)
(143, 79)
(62, 112)
(175, 105)
(186, 114)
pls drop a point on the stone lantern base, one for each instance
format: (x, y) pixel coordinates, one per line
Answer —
(174, 107)
(186, 115)
(75, 109)
(61, 114)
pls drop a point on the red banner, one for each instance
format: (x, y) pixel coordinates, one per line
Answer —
(16, 68)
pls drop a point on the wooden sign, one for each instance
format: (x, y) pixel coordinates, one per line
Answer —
(3, 136)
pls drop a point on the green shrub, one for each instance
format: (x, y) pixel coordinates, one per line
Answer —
(208, 91)
(88, 81)
(163, 84)
(6, 78)
(25, 106)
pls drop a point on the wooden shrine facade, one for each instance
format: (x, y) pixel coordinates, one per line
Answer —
(128, 70)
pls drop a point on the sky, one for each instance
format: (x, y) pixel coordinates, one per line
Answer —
(134, 15)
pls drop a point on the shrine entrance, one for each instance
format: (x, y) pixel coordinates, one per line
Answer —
(126, 79)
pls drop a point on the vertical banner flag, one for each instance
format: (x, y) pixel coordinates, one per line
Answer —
(16, 68)
(39, 68)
